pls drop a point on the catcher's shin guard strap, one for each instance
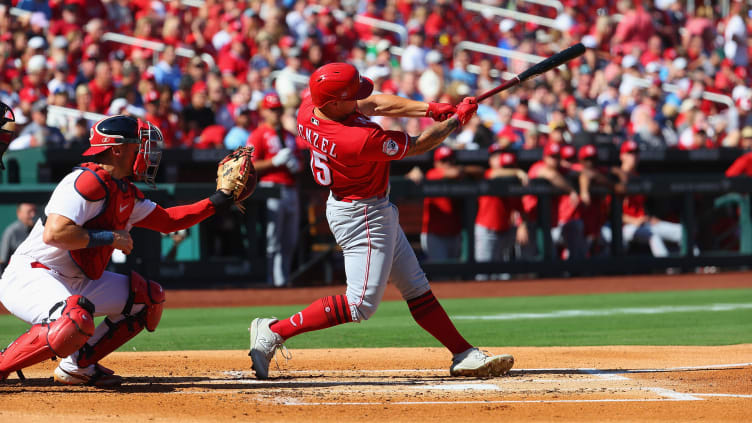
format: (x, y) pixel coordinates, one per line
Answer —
(61, 337)
(118, 334)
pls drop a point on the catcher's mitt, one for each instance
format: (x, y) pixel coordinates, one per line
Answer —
(237, 174)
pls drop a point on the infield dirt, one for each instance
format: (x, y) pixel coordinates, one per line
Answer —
(614, 383)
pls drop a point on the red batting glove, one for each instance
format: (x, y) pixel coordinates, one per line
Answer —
(466, 110)
(440, 111)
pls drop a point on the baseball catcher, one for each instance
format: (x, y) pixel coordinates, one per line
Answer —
(56, 280)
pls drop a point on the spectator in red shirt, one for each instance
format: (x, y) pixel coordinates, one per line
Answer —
(634, 29)
(69, 20)
(440, 235)
(197, 115)
(155, 116)
(501, 221)
(101, 88)
(233, 62)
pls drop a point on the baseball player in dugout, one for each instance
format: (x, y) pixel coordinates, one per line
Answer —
(441, 231)
(277, 160)
(350, 155)
(501, 222)
(56, 279)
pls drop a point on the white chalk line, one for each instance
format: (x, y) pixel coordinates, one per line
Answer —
(724, 395)
(559, 314)
(296, 403)
(664, 394)
(516, 371)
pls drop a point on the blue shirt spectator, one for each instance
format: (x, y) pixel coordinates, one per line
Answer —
(238, 135)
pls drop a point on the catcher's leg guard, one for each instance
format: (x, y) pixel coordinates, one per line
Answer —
(61, 337)
(148, 294)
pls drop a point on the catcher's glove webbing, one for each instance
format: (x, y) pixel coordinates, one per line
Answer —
(236, 174)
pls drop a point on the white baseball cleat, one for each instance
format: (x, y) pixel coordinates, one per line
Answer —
(94, 375)
(264, 342)
(475, 363)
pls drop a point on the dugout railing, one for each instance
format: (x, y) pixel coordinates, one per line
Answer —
(691, 183)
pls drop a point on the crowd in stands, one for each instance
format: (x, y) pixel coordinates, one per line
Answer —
(656, 75)
(645, 76)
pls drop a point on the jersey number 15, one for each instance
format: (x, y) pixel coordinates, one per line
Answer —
(320, 168)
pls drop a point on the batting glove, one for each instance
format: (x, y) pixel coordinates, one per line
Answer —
(466, 110)
(440, 111)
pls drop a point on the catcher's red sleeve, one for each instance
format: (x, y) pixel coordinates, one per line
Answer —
(176, 218)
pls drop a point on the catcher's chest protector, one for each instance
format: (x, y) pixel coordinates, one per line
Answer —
(95, 184)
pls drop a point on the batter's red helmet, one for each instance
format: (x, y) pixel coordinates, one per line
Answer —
(338, 81)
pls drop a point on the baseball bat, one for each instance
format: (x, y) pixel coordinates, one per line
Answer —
(544, 65)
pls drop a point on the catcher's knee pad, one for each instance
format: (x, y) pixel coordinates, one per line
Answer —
(147, 294)
(61, 337)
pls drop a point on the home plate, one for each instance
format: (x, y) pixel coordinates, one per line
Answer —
(462, 387)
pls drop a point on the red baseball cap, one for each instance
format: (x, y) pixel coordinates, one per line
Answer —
(567, 152)
(28, 94)
(151, 96)
(198, 87)
(338, 81)
(286, 41)
(629, 146)
(552, 149)
(587, 151)
(508, 133)
(442, 153)
(507, 159)
(494, 148)
(271, 101)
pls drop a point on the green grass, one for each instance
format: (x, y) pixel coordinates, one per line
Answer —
(392, 326)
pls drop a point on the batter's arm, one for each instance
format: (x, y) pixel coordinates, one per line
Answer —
(392, 106)
(432, 136)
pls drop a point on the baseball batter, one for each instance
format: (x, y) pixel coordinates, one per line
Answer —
(276, 158)
(56, 280)
(350, 155)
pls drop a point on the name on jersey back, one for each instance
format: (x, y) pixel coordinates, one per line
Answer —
(313, 137)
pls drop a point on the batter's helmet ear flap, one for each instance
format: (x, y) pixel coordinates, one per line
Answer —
(7, 129)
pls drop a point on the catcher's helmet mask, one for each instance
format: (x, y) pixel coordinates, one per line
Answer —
(121, 129)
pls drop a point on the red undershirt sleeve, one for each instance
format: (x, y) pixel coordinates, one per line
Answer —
(176, 218)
